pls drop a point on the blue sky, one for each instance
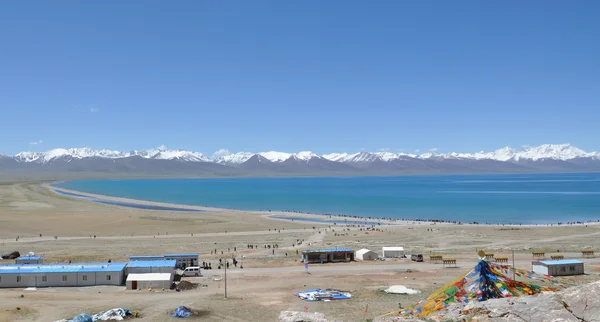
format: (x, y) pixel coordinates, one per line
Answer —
(326, 76)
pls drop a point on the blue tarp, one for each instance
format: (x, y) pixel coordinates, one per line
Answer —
(83, 317)
(182, 312)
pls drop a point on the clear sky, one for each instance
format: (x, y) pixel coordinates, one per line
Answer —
(326, 76)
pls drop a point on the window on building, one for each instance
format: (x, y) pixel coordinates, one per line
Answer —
(18, 279)
(563, 269)
(84, 277)
(0, 279)
(44, 278)
(572, 268)
(64, 278)
(108, 277)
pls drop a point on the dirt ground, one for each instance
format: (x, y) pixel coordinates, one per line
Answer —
(269, 279)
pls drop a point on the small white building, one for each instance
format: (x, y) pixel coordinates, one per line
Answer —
(149, 280)
(30, 259)
(182, 260)
(151, 266)
(563, 267)
(392, 252)
(365, 255)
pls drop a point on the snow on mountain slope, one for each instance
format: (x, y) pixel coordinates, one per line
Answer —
(274, 156)
(562, 152)
(305, 155)
(552, 151)
(427, 155)
(28, 156)
(387, 156)
(335, 156)
(236, 158)
(76, 153)
(181, 155)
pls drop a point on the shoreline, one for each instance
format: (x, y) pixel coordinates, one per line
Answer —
(290, 216)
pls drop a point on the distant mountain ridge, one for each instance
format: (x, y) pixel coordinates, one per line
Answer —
(543, 158)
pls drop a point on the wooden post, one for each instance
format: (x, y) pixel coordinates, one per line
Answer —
(225, 279)
(513, 260)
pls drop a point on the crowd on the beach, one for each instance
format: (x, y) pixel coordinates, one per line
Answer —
(389, 220)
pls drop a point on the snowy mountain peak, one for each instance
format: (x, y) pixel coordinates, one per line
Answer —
(427, 155)
(335, 156)
(274, 156)
(181, 155)
(235, 158)
(305, 155)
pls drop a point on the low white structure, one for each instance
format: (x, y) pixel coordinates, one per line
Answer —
(30, 259)
(149, 280)
(392, 252)
(563, 267)
(365, 255)
(182, 260)
(151, 266)
(54, 275)
(147, 258)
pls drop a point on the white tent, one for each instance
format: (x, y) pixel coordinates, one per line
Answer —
(392, 252)
(149, 280)
(365, 255)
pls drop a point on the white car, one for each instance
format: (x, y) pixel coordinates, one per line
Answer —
(191, 271)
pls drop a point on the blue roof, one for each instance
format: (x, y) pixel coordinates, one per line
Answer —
(159, 263)
(30, 258)
(562, 262)
(146, 256)
(181, 255)
(331, 250)
(62, 268)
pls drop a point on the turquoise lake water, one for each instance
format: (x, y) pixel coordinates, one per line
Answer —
(527, 198)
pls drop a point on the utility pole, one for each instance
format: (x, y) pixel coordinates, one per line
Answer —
(225, 279)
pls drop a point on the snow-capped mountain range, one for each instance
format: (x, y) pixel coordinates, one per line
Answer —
(547, 157)
(563, 152)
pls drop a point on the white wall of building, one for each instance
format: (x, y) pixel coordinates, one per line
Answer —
(366, 255)
(540, 269)
(188, 260)
(559, 269)
(392, 252)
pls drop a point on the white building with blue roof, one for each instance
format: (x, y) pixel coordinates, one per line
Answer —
(151, 266)
(30, 259)
(563, 267)
(181, 260)
(57, 275)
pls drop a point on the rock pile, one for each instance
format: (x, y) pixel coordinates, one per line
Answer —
(186, 285)
(580, 303)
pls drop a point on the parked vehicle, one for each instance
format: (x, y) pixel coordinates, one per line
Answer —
(191, 271)
(416, 257)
